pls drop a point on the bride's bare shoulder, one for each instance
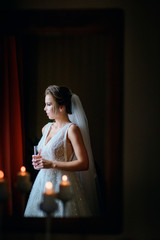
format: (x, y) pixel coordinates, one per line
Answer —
(73, 129)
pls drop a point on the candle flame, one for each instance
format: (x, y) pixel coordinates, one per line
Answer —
(1, 174)
(23, 169)
(49, 185)
(64, 178)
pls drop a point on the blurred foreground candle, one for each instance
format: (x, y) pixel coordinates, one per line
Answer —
(49, 188)
(65, 187)
(4, 192)
(65, 181)
(1, 176)
(65, 193)
(23, 183)
(49, 204)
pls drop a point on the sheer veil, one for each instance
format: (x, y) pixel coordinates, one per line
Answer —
(88, 178)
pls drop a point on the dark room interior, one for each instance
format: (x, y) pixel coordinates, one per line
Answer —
(108, 53)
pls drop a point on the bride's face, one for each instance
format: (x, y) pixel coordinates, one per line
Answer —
(51, 108)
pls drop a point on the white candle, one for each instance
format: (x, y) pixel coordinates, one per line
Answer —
(65, 181)
(23, 182)
(49, 204)
(23, 176)
(23, 171)
(49, 188)
(65, 188)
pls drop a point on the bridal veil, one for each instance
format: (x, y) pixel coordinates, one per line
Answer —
(88, 178)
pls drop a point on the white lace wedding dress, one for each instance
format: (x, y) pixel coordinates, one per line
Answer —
(55, 150)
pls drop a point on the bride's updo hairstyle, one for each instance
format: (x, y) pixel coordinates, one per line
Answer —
(62, 96)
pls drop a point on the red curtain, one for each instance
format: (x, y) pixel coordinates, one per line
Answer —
(11, 145)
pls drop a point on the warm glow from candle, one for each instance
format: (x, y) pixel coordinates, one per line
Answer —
(65, 181)
(23, 169)
(64, 178)
(49, 188)
(1, 174)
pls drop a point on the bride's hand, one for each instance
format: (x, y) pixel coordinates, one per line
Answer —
(35, 161)
(38, 162)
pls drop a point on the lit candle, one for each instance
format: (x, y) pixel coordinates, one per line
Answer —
(48, 203)
(23, 171)
(23, 180)
(49, 188)
(4, 192)
(65, 188)
(1, 176)
(23, 176)
(65, 181)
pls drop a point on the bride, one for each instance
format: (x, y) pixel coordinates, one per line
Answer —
(64, 149)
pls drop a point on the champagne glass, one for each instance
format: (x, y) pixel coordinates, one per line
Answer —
(35, 150)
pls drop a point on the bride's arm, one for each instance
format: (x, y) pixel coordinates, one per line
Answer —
(80, 164)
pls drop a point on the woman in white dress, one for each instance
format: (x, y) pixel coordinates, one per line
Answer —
(63, 150)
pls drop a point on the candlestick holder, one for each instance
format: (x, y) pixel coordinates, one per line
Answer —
(65, 197)
(23, 185)
(4, 192)
(4, 196)
(48, 206)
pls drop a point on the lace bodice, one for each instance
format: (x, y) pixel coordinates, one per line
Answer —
(55, 149)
